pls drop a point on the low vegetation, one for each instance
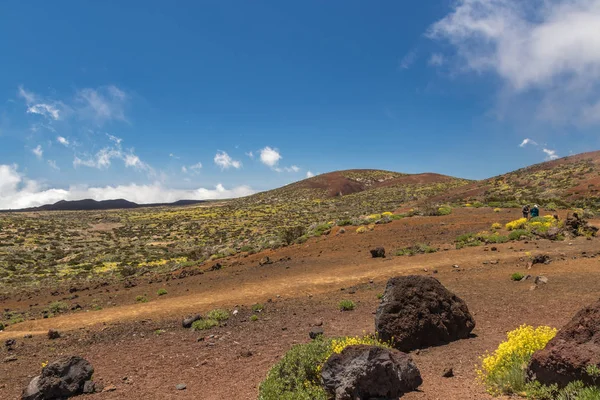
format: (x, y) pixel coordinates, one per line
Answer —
(297, 376)
(346, 305)
(419, 248)
(204, 324)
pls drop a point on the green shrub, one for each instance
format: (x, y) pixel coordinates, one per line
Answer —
(246, 249)
(344, 222)
(519, 234)
(204, 324)
(467, 240)
(57, 307)
(444, 210)
(218, 315)
(161, 292)
(254, 317)
(258, 307)
(346, 305)
(419, 248)
(537, 391)
(290, 234)
(517, 276)
(1, 326)
(296, 376)
(141, 299)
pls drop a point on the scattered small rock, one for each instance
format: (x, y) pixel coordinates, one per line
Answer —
(89, 387)
(455, 266)
(52, 334)
(315, 332)
(181, 386)
(265, 260)
(246, 353)
(187, 322)
(10, 343)
(541, 280)
(448, 373)
(378, 252)
(10, 359)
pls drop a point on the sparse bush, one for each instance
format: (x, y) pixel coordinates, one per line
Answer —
(141, 299)
(258, 307)
(161, 292)
(444, 210)
(361, 229)
(218, 315)
(503, 372)
(254, 317)
(496, 226)
(497, 210)
(290, 234)
(419, 248)
(204, 324)
(467, 240)
(518, 234)
(346, 305)
(344, 222)
(57, 307)
(517, 276)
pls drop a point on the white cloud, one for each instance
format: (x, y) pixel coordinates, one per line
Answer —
(548, 50)
(293, 168)
(46, 110)
(551, 154)
(174, 156)
(408, 60)
(103, 158)
(250, 154)
(224, 161)
(184, 169)
(437, 59)
(104, 104)
(38, 151)
(309, 174)
(29, 97)
(16, 191)
(196, 167)
(270, 156)
(62, 140)
(527, 141)
(53, 165)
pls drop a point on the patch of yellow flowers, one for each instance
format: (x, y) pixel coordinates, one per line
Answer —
(516, 224)
(496, 226)
(520, 345)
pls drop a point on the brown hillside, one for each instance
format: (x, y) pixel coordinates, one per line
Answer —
(569, 181)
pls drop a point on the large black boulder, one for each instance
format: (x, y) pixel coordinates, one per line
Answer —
(566, 357)
(418, 312)
(367, 372)
(60, 379)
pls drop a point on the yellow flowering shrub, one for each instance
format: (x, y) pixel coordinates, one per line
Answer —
(361, 229)
(496, 226)
(516, 224)
(387, 214)
(371, 227)
(339, 344)
(468, 205)
(497, 210)
(374, 217)
(503, 371)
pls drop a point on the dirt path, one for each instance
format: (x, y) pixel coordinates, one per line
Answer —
(297, 283)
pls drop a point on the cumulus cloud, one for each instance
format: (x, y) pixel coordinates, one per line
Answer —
(62, 140)
(527, 141)
(548, 50)
(17, 191)
(224, 161)
(270, 156)
(551, 154)
(39, 153)
(35, 105)
(309, 174)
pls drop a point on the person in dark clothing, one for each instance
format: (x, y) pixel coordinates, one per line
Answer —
(526, 211)
(535, 211)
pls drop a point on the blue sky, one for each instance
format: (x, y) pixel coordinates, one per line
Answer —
(157, 101)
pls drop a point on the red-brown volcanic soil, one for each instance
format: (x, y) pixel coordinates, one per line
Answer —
(143, 350)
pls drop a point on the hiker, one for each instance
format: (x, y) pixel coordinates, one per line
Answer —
(526, 211)
(535, 211)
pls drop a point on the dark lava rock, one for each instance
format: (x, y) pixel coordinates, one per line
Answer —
(448, 373)
(89, 387)
(378, 252)
(60, 379)
(265, 261)
(187, 322)
(52, 334)
(418, 311)
(577, 345)
(366, 372)
(315, 332)
(9, 343)
(540, 259)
